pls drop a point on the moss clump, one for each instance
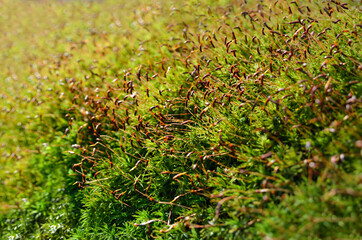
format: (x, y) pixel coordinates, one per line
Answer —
(179, 120)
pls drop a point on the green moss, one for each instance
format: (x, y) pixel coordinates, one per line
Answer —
(180, 120)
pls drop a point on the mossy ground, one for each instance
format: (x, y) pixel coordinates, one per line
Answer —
(180, 120)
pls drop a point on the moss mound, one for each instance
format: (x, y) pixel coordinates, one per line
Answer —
(174, 120)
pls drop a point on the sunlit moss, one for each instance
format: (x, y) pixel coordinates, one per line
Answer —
(180, 120)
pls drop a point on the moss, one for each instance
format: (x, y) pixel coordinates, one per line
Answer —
(180, 120)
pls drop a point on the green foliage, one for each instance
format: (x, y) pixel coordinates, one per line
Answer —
(323, 210)
(53, 209)
(173, 120)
